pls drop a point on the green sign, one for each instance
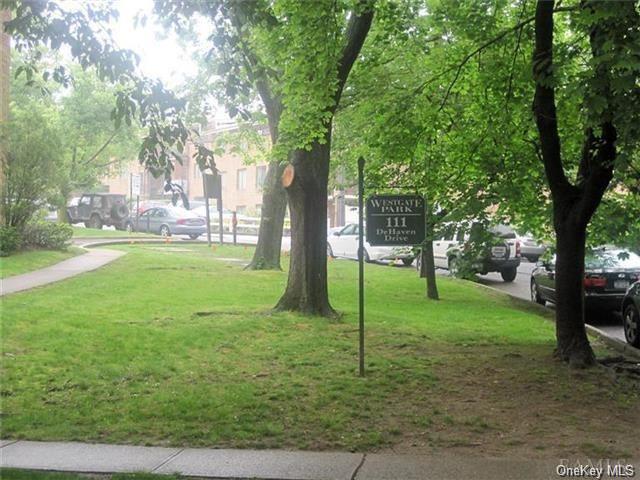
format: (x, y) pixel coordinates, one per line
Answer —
(395, 220)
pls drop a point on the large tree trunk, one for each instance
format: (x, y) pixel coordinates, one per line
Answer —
(274, 206)
(307, 289)
(571, 336)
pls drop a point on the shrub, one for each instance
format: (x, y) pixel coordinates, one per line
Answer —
(55, 236)
(9, 240)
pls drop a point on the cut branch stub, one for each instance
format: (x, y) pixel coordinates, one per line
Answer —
(288, 175)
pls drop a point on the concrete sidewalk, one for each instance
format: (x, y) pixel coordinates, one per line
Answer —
(271, 464)
(68, 268)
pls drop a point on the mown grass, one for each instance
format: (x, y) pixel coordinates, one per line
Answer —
(28, 260)
(177, 345)
(18, 474)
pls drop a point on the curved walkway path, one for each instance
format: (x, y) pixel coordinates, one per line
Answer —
(60, 271)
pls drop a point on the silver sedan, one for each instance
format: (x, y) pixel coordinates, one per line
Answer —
(168, 221)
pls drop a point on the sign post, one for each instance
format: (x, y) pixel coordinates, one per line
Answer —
(361, 262)
(206, 206)
(213, 189)
(136, 187)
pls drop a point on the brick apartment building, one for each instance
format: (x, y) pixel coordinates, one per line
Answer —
(241, 182)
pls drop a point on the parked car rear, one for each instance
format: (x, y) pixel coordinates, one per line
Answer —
(501, 254)
(609, 272)
(99, 209)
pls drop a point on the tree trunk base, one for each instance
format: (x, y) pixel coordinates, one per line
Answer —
(578, 355)
(306, 306)
(262, 264)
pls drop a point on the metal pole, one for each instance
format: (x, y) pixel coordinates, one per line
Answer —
(220, 222)
(234, 224)
(361, 259)
(206, 206)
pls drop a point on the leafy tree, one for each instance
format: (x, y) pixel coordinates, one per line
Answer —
(611, 101)
(297, 56)
(45, 22)
(234, 70)
(33, 156)
(93, 146)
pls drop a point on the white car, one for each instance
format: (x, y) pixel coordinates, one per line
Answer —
(344, 243)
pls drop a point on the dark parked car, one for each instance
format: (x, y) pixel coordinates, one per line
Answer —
(631, 315)
(608, 274)
(168, 221)
(99, 209)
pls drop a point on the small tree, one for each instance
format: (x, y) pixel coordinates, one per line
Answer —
(34, 155)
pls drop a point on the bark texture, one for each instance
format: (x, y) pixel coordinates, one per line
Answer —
(307, 289)
(573, 204)
(274, 206)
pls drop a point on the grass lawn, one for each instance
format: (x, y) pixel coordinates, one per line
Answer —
(81, 232)
(176, 345)
(17, 474)
(29, 260)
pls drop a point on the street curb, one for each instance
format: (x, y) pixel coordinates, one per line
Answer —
(618, 345)
(132, 241)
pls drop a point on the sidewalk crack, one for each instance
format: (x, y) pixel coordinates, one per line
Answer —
(355, 472)
(171, 457)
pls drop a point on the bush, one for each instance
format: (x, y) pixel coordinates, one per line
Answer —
(9, 240)
(55, 236)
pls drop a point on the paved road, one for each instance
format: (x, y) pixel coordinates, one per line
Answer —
(520, 288)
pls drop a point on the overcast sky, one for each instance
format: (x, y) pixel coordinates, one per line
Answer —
(161, 55)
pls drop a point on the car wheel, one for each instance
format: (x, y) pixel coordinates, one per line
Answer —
(367, 259)
(330, 251)
(194, 236)
(407, 261)
(631, 322)
(164, 231)
(453, 266)
(535, 293)
(95, 222)
(509, 274)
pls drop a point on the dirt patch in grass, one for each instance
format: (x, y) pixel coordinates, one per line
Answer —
(490, 401)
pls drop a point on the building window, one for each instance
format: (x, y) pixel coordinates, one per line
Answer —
(261, 175)
(241, 179)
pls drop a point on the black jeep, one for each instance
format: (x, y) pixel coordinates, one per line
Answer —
(98, 209)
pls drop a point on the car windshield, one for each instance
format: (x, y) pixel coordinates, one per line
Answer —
(601, 259)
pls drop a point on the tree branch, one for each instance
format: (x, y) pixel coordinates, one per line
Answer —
(101, 149)
(544, 104)
(357, 30)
